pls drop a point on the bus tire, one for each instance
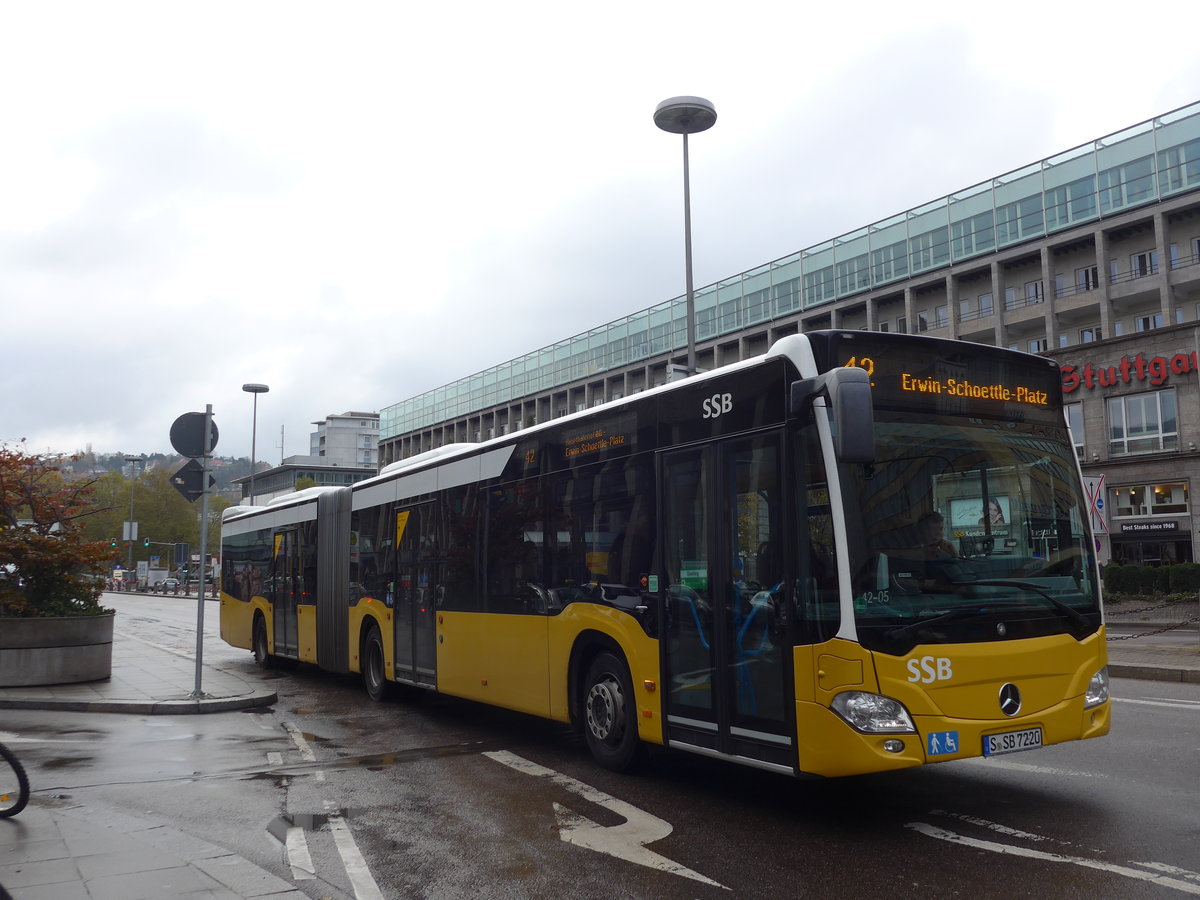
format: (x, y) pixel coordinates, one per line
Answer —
(610, 714)
(373, 665)
(262, 654)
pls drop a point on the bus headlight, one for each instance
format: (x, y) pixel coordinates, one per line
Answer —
(872, 713)
(1097, 689)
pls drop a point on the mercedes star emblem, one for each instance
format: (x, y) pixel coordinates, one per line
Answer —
(1010, 699)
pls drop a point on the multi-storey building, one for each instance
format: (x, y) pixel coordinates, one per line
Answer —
(349, 439)
(1091, 256)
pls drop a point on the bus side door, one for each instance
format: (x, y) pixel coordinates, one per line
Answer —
(727, 658)
(418, 590)
(285, 589)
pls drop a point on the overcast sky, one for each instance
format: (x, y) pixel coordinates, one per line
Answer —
(357, 202)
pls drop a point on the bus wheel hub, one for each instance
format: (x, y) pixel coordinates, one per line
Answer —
(605, 709)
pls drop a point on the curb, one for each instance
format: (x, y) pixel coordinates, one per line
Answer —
(1154, 673)
(148, 707)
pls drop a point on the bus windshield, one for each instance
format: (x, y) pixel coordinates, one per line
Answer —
(968, 530)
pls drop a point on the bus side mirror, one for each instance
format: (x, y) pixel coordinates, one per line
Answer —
(852, 416)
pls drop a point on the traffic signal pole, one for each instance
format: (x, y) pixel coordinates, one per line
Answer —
(189, 443)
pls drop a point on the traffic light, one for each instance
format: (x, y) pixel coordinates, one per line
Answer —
(113, 542)
(146, 542)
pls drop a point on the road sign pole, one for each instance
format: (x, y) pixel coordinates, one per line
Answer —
(198, 693)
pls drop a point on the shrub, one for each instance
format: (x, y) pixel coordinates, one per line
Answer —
(47, 566)
(1185, 578)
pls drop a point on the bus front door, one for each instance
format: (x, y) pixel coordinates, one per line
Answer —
(418, 583)
(727, 659)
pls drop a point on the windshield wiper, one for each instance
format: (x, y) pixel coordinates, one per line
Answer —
(1068, 612)
(902, 633)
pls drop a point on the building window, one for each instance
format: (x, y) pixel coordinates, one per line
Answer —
(985, 304)
(1010, 298)
(883, 326)
(1060, 285)
(1086, 279)
(1143, 264)
(1075, 426)
(1033, 292)
(1142, 423)
(941, 316)
(1112, 271)
(902, 325)
(1037, 345)
(1088, 335)
(1150, 500)
(923, 320)
(1146, 323)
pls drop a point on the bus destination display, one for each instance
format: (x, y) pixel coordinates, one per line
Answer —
(942, 376)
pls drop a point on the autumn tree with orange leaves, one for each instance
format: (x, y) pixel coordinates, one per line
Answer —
(47, 565)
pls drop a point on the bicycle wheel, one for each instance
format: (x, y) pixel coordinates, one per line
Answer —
(14, 784)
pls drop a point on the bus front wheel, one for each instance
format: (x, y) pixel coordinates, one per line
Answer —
(610, 714)
(374, 676)
(262, 655)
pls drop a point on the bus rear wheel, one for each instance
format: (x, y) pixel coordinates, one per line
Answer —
(262, 656)
(610, 714)
(374, 676)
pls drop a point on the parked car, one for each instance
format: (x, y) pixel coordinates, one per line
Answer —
(169, 585)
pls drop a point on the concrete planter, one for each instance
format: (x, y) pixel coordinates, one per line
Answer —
(55, 651)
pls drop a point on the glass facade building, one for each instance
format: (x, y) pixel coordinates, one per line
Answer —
(1151, 162)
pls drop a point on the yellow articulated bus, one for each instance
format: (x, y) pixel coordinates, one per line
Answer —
(856, 553)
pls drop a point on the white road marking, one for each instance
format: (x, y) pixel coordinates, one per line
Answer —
(10, 738)
(356, 866)
(1171, 870)
(991, 826)
(1029, 853)
(625, 841)
(998, 763)
(1170, 704)
(357, 870)
(298, 856)
(302, 745)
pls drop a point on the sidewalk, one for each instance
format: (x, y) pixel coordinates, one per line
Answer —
(49, 853)
(55, 852)
(1173, 655)
(147, 679)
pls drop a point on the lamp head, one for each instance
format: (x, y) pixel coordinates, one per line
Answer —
(685, 115)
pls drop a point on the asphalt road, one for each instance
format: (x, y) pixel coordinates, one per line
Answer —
(430, 797)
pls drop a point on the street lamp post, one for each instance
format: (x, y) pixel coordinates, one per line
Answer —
(254, 389)
(687, 115)
(131, 532)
